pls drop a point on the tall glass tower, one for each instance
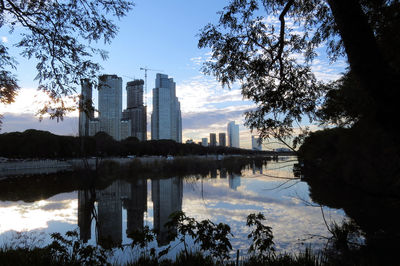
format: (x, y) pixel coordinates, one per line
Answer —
(110, 105)
(233, 135)
(166, 119)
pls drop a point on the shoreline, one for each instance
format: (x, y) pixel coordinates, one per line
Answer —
(17, 167)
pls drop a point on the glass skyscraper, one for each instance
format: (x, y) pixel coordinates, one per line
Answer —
(233, 135)
(110, 105)
(166, 119)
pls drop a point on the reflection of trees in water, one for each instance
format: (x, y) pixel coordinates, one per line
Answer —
(374, 213)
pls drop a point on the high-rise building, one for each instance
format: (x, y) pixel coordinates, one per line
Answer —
(213, 140)
(110, 105)
(166, 119)
(204, 142)
(222, 139)
(136, 111)
(85, 108)
(233, 135)
(111, 119)
(256, 143)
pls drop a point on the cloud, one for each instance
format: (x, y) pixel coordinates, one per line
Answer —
(4, 39)
(31, 100)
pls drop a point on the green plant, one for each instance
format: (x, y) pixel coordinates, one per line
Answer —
(262, 245)
(71, 250)
(213, 238)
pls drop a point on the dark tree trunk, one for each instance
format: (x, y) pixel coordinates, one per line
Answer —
(367, 61)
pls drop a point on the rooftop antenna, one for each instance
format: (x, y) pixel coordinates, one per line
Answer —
(145, 81)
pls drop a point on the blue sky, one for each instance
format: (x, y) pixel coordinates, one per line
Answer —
(160, 35)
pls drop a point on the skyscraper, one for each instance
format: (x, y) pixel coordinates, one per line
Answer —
(213, 140)
(135, 110)
(85, 110)
(166, 119)
(233, 135)
(222, 139)
(110, 105)
(256, 143)
(204, 142)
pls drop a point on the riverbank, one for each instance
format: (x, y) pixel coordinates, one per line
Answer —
(20, 167)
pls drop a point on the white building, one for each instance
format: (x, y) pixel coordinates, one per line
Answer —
(166, 119)
(256, 143)
(233, 135)
(110, 105)
(126, 128)
(204, 142)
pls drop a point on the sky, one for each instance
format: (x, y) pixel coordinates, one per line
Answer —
(159, 35)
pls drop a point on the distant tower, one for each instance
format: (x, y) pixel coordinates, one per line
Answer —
(166, 119)
(136, 111)
(222, 139)
(233, 135)
(204, 142)
(110, 105)
(213, 140)
(256, 143)
(85, 110)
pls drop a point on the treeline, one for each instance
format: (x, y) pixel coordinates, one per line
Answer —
(43, 144)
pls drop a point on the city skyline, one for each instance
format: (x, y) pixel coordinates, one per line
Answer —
(168, 43)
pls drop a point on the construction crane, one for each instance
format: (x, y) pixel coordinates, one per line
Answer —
(145, 80)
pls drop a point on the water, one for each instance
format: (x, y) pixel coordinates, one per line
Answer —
(107, 215)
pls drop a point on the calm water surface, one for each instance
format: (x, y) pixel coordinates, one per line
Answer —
(113, 212)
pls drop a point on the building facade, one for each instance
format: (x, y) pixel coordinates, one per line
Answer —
(222, 139)
(111, 119)
(256, 143)
(204, 142)
(136, 112)
(110, 105)
(233, 135)
(166, 118)
(86, 112)
(213, 140)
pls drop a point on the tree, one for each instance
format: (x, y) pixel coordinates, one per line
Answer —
(264, 57)
(59, 35)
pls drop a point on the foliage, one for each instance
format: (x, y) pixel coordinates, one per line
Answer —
(71, 250)
(68, 250)
(60, 36)
(43, 144)
(267, 46)
(211, 237)
(262, 245)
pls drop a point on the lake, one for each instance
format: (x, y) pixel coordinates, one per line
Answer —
(108, 214)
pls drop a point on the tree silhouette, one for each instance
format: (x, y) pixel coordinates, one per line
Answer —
(59, 35)
(264, 56)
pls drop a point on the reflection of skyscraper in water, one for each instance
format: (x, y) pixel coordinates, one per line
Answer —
(86, 200)
(213, 173)
(222, 173)
(167, 198)
(110, 215)
(257, 167)
(131, 196)
(135, 204)
(234, 181)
